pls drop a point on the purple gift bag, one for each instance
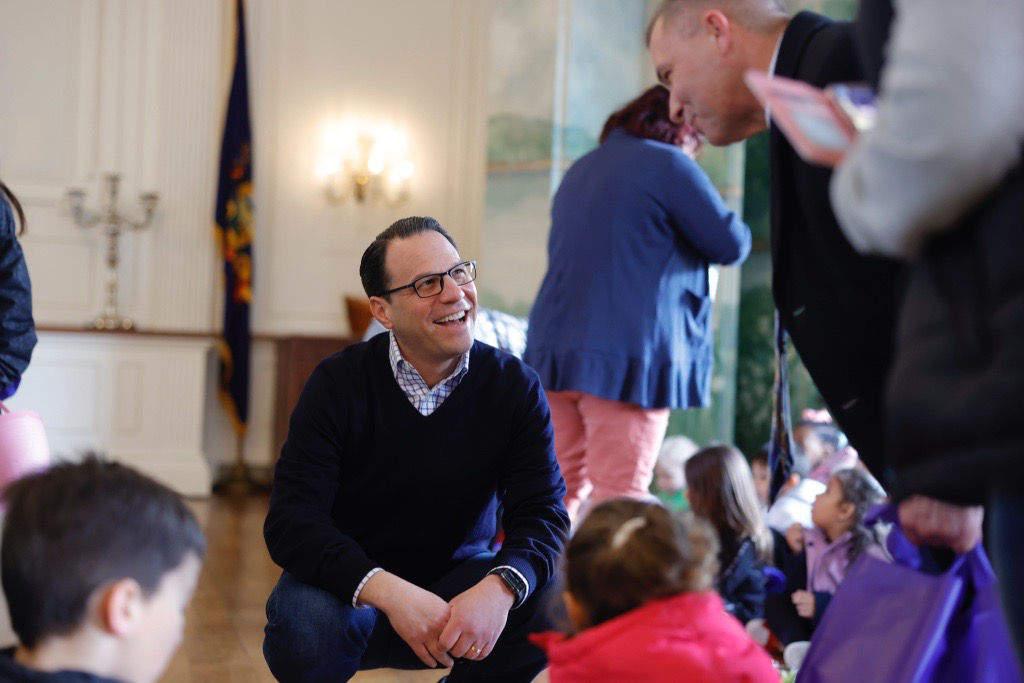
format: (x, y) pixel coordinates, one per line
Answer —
(893, 623)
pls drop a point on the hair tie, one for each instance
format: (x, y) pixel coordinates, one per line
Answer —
(623, 533)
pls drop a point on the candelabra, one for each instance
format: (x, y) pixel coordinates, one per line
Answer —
(114, 223)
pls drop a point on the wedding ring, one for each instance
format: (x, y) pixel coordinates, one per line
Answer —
(475, 650)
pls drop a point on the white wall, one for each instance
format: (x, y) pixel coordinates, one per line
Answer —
(139, 86)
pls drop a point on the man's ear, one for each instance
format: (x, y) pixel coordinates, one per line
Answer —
(120, 604)
(719, 29)
(380, 309)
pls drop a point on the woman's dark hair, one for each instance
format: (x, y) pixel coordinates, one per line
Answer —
(77, 527)
(647, 116)
(628, 552)
(371, 266)
(720, 487)
(15, 204)
(863, 492)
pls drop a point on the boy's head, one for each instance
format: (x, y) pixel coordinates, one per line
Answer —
(98, 553)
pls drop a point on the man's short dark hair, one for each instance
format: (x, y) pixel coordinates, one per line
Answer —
(371, 267)
(77, 527)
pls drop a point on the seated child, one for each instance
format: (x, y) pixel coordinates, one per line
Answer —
(720, 488)
(98, 564)
(669, 478)
(796, 497)
(638, 592)
(816, 559)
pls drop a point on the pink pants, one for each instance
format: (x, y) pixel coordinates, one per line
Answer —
(606, 449)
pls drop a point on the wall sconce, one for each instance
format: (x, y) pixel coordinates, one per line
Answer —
(368, 165)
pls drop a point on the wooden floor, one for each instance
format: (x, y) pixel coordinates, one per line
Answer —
(224, 630)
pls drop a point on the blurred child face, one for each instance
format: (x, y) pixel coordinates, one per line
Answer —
(162, 623)
(669, 479)
(830, 512)
(762, 480)
(813, 446)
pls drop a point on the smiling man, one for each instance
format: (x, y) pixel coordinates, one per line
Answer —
(385, 497)
(837, 305)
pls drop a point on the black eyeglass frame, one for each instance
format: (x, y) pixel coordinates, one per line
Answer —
(471, 263)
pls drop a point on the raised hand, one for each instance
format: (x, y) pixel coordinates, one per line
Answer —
(804, 602)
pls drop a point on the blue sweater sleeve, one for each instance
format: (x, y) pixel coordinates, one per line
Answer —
(17, 329)
(531, 490)
(300, 531)
(700, 215)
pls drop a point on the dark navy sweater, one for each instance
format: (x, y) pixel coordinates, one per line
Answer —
(364, 480)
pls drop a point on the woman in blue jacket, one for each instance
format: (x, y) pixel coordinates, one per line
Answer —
(621, 332)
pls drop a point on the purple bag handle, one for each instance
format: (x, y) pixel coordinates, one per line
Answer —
(901, 550)
(974, 565)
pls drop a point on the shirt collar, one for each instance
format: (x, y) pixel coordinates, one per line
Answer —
(771, 72)
(400, 364)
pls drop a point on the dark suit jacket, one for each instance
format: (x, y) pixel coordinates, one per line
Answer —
(838, 306)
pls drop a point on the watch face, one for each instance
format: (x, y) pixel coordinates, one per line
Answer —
(513, 581)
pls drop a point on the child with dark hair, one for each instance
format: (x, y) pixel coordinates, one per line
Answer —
(720, 488)
(98, 563)
(816, 559)
(639, 594)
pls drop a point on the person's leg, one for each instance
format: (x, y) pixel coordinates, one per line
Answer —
(570, 447)
(513, 658)
(1005, 514)
(623, 440)
(313, 636)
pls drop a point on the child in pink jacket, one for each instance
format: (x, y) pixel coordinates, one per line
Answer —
(640, 598)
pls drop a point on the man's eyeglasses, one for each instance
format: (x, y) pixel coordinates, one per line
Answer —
(433, 284)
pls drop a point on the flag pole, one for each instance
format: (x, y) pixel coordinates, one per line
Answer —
(233, 217)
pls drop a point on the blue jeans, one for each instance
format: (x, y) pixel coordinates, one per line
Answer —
(312, 635)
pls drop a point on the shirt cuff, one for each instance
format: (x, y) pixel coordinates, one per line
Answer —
(359, 588)
(520, 575)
